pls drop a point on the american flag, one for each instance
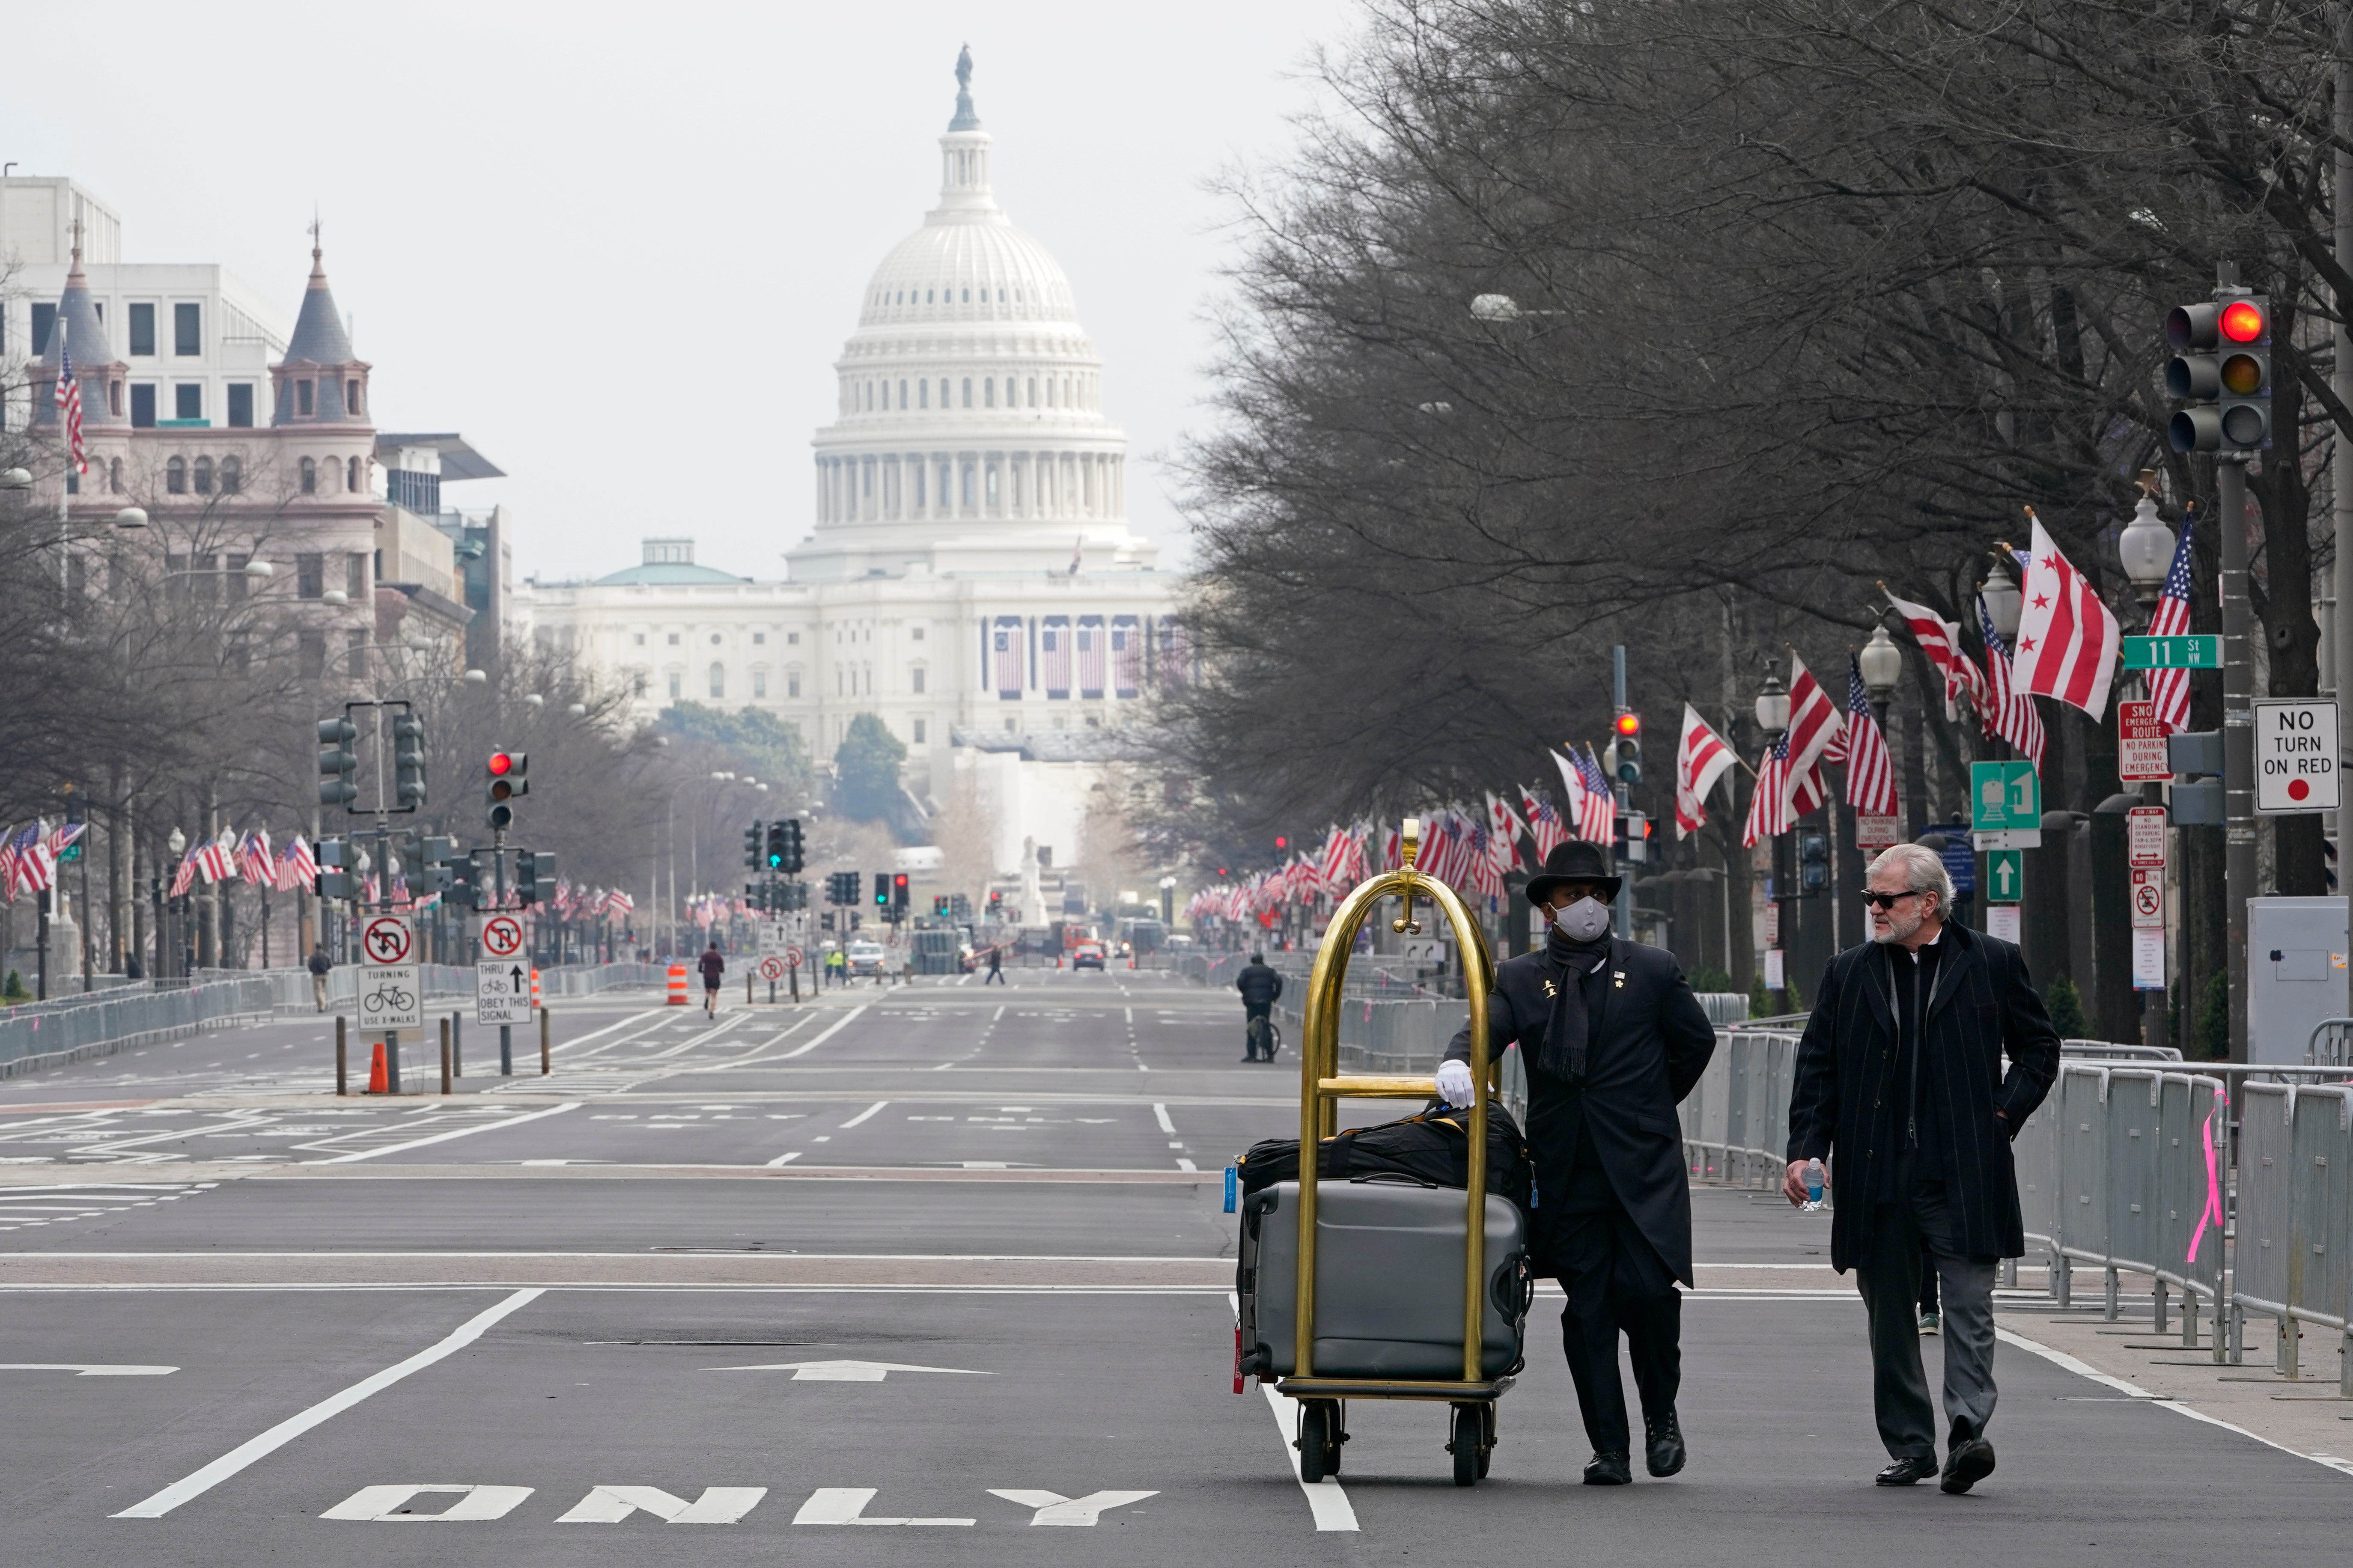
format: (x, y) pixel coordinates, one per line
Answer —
(1341, 855)
(185, 877)
(1054, 655)
(1544, 821)
(1814, 727)
(2068, 638)
(61, 838)
(1869, 771)
(2006, 714)
(1126, 656)
(1701, 758)
(1091, 656)
(1005, 655)
(69, 399)
(1940, 639)
(1768, 806)
(7, 865)
(254, 861)
(298, 869)
(1485, 875)
(1591, 808)
(2169, 688)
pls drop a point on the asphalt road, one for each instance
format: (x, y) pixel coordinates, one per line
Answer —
(945, 1260)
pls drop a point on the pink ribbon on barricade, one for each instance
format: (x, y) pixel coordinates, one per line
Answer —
(2213, 1209)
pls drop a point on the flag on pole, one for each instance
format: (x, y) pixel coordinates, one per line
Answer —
(69, 400)
(254, 861)
(1768, 806)
(7, 865)
(2169, 688)
(185, 877)
(298, 869)
(1869, 771)
(1700, 760)
(1940, 640)
(2006, 714)
(1544, 821)
(1504, 837)
(213, 860)
(2067, 639)
(1590, 809)
(1814, 724)
(37, 863)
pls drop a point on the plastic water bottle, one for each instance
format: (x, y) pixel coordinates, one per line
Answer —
(1814, 1178)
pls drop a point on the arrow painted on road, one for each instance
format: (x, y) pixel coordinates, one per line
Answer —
(87, 1369)
(845, 1371)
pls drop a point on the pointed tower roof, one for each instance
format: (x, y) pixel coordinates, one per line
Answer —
(318, 336)
(77, 318)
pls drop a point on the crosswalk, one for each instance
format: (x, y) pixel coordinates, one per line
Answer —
(29, 1209)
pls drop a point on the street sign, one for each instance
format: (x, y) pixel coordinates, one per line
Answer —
(1776, 970)
(2148, 960)
(772, 936)
(1960, 856)
(2004, 796)
(772, 968)
(2145, 836)
(2149, 898)
(1773, 927)
(386, 939)
(2005, 876)
(2295, 756)
(391, 996)
(2140, 744)
(501, 992)
(2203, 652)
(502, 937)
(2008, 838)
(1876, 832)
(2001, 920)
(793, 957)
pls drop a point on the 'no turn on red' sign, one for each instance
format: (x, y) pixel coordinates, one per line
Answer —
(2295, 756)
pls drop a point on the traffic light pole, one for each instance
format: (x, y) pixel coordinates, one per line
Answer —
(1625, 911)
(2238, 741)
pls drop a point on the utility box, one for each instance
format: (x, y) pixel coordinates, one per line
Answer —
(2295, 972)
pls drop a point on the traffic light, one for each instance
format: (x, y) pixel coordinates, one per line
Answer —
(841, 888)
(535, 876)
(796, 895)
(752, 837)
(465, 891)
(995, 904)
(899, 891)
(337, 762)
(881, 889)
(1813, 862)
(506, 771)
(785, 847)
(335, 860)
(2221, 367)
(1629, 744)
(939, 905)
(408, 762)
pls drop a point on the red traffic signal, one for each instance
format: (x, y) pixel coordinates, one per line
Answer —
(501, 764)
(2244, 321)
(1281, 842)
(1630, 724)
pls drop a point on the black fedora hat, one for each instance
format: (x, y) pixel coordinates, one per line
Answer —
(1575, 861)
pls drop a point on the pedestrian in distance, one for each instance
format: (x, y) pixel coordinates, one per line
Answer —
(1612, 1040)
(713, 966)
(1900, 1087)
(995, 966)
(319, 969)
(1261, 987)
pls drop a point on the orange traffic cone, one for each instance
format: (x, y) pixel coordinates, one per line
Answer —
(377, 1083)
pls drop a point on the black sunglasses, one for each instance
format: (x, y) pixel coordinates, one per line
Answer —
(1887, 900)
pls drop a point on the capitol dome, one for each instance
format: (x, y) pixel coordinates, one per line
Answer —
(969, 431)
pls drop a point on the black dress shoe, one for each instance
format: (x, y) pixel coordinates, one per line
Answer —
(1903, 1472)
(1970, 1462)
(1662, 1442)
(1608, 1470)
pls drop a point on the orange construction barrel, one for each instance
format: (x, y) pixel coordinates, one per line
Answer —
(677, 984)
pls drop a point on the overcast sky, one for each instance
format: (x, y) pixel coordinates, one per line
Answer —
(619, 248)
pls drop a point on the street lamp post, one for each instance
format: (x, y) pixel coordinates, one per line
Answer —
(177, 843)
(1882, 663)
(2144, 549)
(1773, 718)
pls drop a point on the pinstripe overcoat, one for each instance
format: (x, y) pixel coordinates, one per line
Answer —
(1840, 1109)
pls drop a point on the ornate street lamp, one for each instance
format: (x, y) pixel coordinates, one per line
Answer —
(1773, 706)
(2002, 599)
(1882, 663)
(2146, 547)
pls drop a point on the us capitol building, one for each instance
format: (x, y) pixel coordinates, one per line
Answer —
(970, 577)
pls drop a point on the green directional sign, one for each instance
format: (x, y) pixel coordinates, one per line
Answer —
(2005, 876)
(2004, 796)
(2173, 653)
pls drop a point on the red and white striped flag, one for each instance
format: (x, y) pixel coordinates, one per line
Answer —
(1814, 723)
(1336, 847)
(1583, 813)
(215, 861)
(254, 861)
(2169, 688)
(1544, 821)
(618, 902)
(2067, 639)
(2006, 714)
(298, 869)
(1768, 806)
(70, 400)
(185, 877)
(1940, 639)
(1869, 771)
(1701, 759)
(1504, 837)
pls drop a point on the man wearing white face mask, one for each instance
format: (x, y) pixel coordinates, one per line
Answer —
(1612, 1039)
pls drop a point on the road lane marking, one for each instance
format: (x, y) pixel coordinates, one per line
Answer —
(1053, 1508)
(1184, 1165)
(1160, 1113)
(382, 1504)
(717, 1505)
(864, 1114)
(847, 1505)
(999, 1014)
(814, 1041)
(87, 1368)
(623, 1024)
(788, 1159)
(446, 1137)
(845, 1371)
(1325, 1499)
(246, 1453)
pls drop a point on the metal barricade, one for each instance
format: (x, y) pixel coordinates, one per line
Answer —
(2330, 1044)
(2295, 1148)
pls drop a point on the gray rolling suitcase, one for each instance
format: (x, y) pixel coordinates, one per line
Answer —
(1388, 1303)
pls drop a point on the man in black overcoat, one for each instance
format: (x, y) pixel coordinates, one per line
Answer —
(1926, 1051)
(1612, 1039)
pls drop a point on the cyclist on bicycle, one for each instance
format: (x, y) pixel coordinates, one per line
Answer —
(1260, 987)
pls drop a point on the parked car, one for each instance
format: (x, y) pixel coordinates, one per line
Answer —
(1088, 955)
(866, 958)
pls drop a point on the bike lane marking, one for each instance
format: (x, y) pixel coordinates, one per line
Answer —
(276, 1437)
(446, 1137)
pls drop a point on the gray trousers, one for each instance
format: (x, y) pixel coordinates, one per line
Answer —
(1902, 1233)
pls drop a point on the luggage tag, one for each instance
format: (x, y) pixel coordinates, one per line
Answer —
(1233, 1183)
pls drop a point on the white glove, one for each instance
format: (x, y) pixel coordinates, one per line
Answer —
(1454, 1083)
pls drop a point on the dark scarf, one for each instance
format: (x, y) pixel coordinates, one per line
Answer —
(1566, 964)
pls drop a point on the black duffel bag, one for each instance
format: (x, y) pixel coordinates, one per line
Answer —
(1432, 1148)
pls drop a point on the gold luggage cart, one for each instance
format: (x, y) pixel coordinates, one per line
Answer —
(1472, 1431)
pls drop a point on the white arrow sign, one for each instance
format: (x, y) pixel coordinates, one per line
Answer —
(1053, 1508)
(845, 1371)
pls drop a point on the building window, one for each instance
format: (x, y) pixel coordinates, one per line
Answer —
(718, 680)
(303, 395)
(175, 480)
(352, 397)
(922, 395)
(352, 480)
(917, 634)
(232, 476)
(310, 471)
(115, 475)
(967, 484)
(792, 639)
(919, 731)
(311, 657)
(114, 398)
(188, 400)
(143, 406)
(759, 683)
(310, 576)
(758, 638)
(967, 392)
(915, 677)
(241, 405)
(676, 681)
(988, 390)
(203, 476)
(792, 683)
(902, 396)
(356, 567)
(142, 331)
(187, 331)
(45, 317)
(714, 639)
(640, 641)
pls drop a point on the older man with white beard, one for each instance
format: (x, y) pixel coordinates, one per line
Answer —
(1901, 1082)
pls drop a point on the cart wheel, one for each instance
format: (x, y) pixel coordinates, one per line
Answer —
(1487, 1437)
(1337, 1442)
(1314, 1442)
(1468, 1428)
